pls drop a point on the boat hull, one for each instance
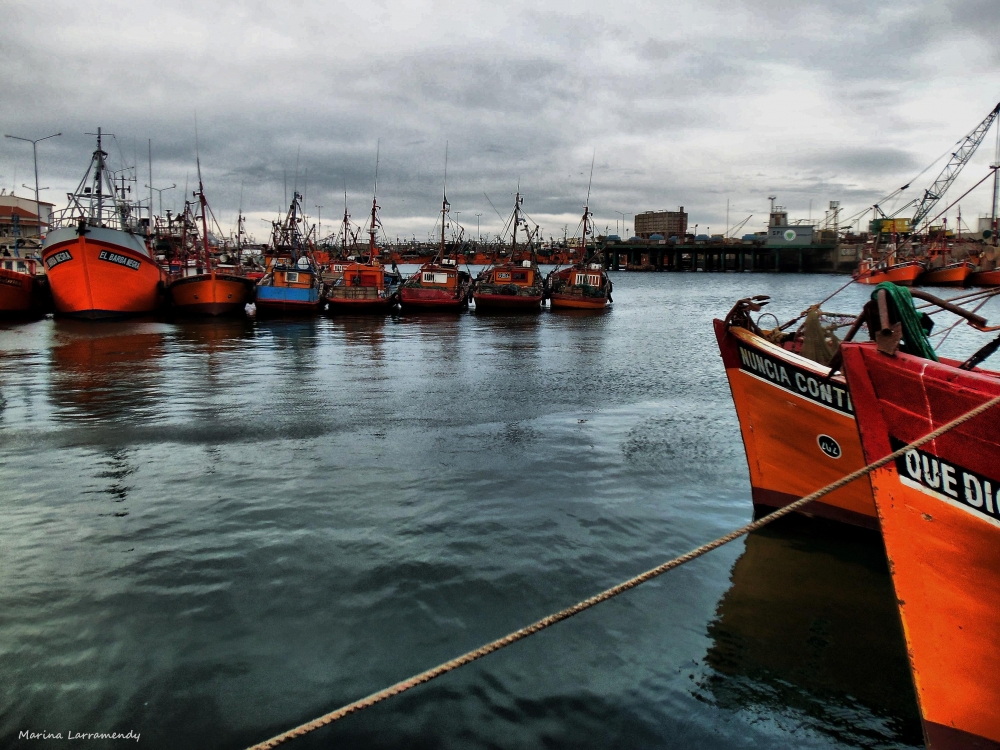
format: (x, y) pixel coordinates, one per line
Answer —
(508, 302)
(903, 274)
(211, 294)
(799, 432)
(984, 278)
(576, 302)
(941, 533)
(103, 273)
(374, 305)
(432, 299)
(21, 294)
(285, 300)
(951, 275)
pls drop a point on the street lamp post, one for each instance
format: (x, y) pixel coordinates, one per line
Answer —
(34, 150)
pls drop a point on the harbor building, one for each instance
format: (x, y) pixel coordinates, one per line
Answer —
(781, 234)
(19, 218)
(664, 223)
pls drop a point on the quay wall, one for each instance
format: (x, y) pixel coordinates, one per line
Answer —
(732, 257)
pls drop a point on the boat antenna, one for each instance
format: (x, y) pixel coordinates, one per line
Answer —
(371, 229)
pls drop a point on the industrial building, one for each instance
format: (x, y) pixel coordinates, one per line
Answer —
(665, 223)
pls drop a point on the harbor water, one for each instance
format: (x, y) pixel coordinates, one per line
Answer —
(214, 531)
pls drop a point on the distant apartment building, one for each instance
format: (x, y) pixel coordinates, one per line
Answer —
(666, 223)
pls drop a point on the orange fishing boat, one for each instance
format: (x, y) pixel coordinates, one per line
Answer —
(797, 423)
(584, 285)
(24, 289)
(439, 284)
(939, 511)
(984, 278)
(96, 257)
(950, 274)
(208, 291)
(361, 287)
(514, 285)
(905, 273)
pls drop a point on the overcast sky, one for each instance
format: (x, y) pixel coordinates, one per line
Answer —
(684, 103)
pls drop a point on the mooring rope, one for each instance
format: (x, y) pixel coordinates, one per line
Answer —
(545, 622)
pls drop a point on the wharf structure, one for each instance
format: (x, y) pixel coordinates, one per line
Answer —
(785, 247)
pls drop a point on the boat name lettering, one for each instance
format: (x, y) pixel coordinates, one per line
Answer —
(10, 281)
(61, 257)
(795, 380)
(926, 472)
(121, 260)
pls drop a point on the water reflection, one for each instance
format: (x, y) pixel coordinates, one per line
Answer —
(106, 373)
(810, 624)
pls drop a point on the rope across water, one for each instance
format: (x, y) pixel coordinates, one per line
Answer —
(545, 622)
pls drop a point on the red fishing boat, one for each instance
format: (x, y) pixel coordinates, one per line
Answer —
(439, 284)
(24, 289)
(949, 274)
(201, 288)
(96, 257)
(939, 511)
(516, 284)
(363, 287)
(904, 274)
(584, 285)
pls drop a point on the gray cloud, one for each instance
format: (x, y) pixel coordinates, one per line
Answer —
(687, 104)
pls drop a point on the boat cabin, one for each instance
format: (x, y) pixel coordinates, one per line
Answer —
(523, 275)
(21, 265)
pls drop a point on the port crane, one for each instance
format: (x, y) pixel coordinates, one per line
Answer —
(966, 148)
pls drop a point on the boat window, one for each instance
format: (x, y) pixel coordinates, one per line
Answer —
(520, 276)
(440, 278)
(503, 275)
(22, 267)
(581, 279)
(428, 277)
(594, 279)
(292, 277)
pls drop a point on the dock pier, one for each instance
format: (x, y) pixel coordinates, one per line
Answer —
(629, 256)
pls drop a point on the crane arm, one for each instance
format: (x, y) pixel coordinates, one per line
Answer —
(967, 147)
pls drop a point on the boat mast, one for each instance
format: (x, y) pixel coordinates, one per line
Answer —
(371, 229)
(204, 221)
(99, 178)
(444, 202)
(347, 225)
(586, 209)
(517, 220)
